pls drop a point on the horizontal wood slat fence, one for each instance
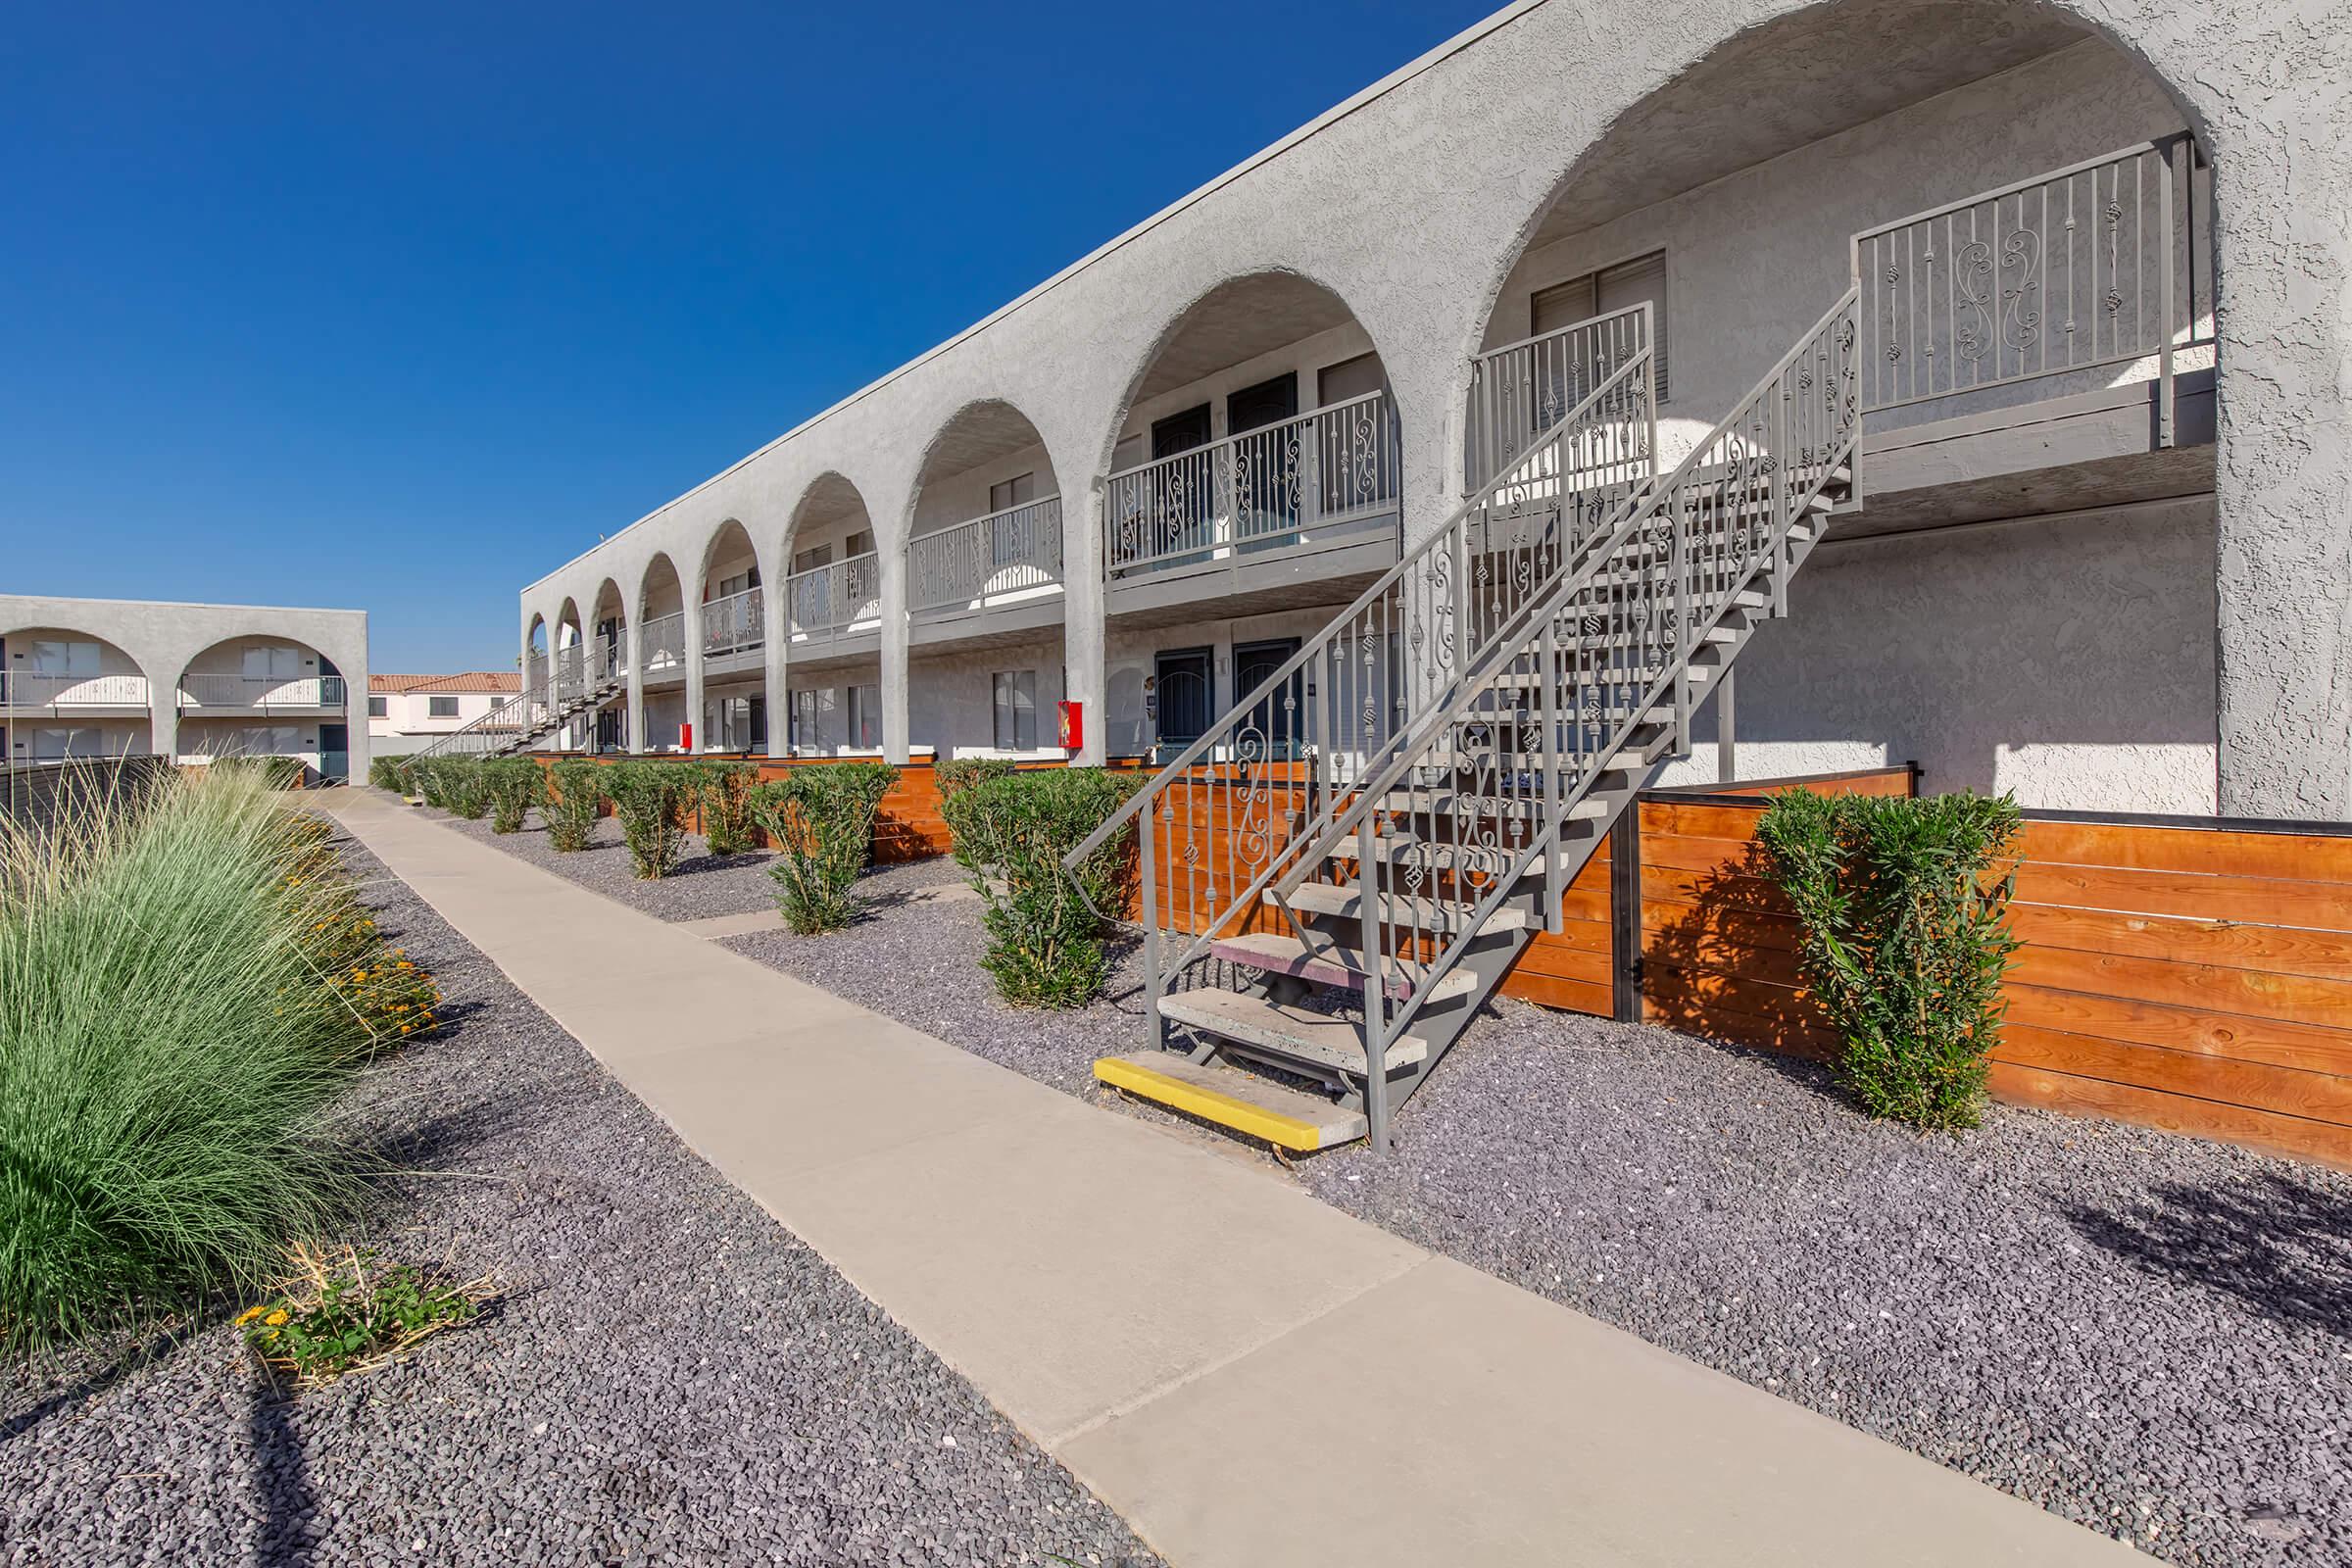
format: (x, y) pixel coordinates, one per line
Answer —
(2188, 974)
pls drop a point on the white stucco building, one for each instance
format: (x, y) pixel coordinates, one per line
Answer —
(407, 712)
(112, 678)
(2098, 549)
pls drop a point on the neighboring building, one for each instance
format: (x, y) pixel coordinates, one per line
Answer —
(408, 713)
(1148, 482)
(111, 677)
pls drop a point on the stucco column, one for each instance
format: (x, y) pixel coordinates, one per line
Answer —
(776, 633)
(2283, 475)
(1083, 640)
(163, 715)
(893, 653)
(694, 673)
(633, 673)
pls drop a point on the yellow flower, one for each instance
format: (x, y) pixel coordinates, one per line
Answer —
(249, 1314)
(276, 1319)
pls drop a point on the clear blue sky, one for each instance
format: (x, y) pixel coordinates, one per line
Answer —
(398, 308)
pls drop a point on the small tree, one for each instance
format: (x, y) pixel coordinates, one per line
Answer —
(723, 791)
(513, 785)
(651, 800)
(1905, 940)
(1045, 944)
(822, 822)
(574, 794)
(960, 773)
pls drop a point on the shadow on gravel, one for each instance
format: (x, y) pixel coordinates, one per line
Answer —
(287, 1503)
(2279, 1244)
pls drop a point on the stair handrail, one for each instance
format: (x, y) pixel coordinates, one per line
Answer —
(1512, 495)
(1788, 456)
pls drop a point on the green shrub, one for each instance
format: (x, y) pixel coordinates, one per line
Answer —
(960, 773)
(823, 822)
(651, 800)
(1045, 946)
(383, 772)
(464, 786)
(426, 775)
(723, 792)
(183, 991)
(274, 772)
(348, 1314)
(1904, 941)
(575, 791)
(513, 785)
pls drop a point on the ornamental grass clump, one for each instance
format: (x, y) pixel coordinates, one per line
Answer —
(1905, 940)
(1048, 929)
(575, 793)
(651, 800)
(186, 987)
(723, 794)
(822, 820)
(513, 785)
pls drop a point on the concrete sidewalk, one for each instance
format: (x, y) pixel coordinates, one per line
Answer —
(1248, 1376)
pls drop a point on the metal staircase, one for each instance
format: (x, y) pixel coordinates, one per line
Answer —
(578, 679)
(1341, 873)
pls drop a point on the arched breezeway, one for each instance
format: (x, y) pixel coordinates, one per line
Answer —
(66, 693)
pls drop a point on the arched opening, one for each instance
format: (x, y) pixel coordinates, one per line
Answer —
(1257, 465)
(984, 589)
(734, 636)
(265, 696)
(67, 695)
(662, 652)
(608, 644)
(2017, 203)
(567, 625)
(833, 610)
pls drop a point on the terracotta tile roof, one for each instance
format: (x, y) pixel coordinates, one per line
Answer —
(474, 680)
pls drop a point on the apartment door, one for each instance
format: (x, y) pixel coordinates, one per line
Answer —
(1280, 716)
(1183, 493)
(335, 752)
(1266, 467)
(1185, 680)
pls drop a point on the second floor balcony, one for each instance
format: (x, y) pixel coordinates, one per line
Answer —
(838, 602)
(1252, 510)
(733, 626)
(42, 689)
(1006, 566)
(206, 692)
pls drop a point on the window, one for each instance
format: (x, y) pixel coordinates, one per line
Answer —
(813, 557)
(1017, 491)
(866, 717)
(379, 708)
(75, 659)
(441, 706)
(741, 582)
(860, 543)
(741, 725)
(1612, 289)
(58, 745)
(271, 663)
(1016, 709)
(805, 730)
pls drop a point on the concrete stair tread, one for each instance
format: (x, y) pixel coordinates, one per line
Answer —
(1337, 966)
(1442, 916)
(1294, 1032)
(1258, 1107)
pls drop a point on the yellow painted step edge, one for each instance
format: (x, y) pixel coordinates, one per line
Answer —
(1210, 1105)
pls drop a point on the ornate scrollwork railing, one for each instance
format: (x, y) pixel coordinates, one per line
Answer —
(2087, 267)
(734, 624)
(1337, 467)
(1522, 389)
(835, 599)
(1004, 555)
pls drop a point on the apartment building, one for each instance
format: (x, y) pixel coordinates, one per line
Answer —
(408, 712)
(2090, 551)
(110, 677)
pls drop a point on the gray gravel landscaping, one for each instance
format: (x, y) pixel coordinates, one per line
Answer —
(671, 1376)
(2149, 1334)
(700, 884)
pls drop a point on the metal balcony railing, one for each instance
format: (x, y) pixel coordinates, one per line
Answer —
(661, 643)
(255, 694)
(37, 689)
(1522, 389)
(733, 625)
(1278, 486)
(835, 600)
(2087, 267)
(1005, 554)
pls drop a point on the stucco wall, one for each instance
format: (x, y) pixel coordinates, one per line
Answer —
(1413, 202)
(952, 699)
(2069, 658)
